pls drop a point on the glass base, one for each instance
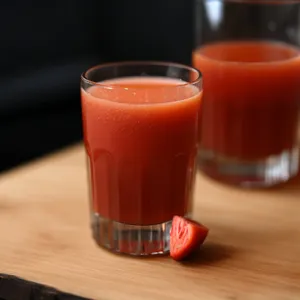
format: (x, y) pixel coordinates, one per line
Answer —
(252, 174)
(131, 239)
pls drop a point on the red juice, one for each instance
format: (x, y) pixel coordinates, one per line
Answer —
(141, 141)
(251, 98)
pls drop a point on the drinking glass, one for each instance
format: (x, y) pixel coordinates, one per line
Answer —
(140, 123)
(248, 54)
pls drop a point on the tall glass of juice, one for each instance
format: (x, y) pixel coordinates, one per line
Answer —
(248, 54)
(140, 123)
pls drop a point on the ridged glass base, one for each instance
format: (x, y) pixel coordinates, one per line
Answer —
(131, 239)
(257, 174)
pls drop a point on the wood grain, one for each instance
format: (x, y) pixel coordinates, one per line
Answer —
(252, 253)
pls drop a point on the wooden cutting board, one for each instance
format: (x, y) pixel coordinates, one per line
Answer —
(252, 253)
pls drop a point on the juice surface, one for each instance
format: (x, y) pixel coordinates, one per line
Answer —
(251, 98)
(141, 140)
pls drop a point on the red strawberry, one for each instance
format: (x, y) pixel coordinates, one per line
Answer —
(185, 236)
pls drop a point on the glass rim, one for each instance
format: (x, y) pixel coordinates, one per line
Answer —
(255, 63)
(196, 81)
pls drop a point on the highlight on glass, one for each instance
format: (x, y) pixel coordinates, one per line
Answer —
(140, 123)
(248, 53)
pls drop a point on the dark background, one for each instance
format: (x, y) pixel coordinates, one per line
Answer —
(46, 45)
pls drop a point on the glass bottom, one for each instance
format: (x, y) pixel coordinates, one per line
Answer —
(254, 174)
(131, 239)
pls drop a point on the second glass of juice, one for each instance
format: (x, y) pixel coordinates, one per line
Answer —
(248, 54)
(140, 122)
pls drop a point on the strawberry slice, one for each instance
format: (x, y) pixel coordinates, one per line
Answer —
(185, 236)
